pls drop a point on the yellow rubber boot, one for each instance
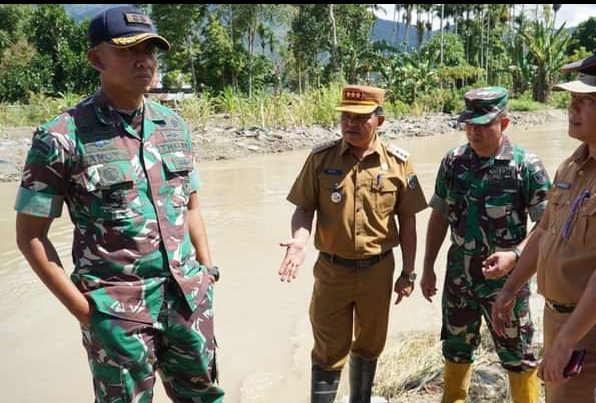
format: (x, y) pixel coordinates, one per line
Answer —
(524, 386)
(457, 382)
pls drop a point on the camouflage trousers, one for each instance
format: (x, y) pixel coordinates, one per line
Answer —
(465, 302)
(123, 354)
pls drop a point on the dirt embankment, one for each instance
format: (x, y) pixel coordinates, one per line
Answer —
(221, 140)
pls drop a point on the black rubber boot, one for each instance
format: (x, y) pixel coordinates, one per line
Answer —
(324, 385)
(362, 375)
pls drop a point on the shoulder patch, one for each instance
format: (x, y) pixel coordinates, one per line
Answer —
(400, 153)
(325, 145)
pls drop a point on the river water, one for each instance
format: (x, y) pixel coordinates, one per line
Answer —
(261, 324)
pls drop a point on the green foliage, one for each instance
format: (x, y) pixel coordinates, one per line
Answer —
(197, 110)
(180, 24)
(583, 36)
(46, 54)
(220, 61)
(560, 99)
(24, 74)
(546, 49)
(40, 108)
(396, 108)
(176, 79)
(453, 50)
(13, 20)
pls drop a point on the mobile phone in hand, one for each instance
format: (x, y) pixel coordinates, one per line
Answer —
(574, 366)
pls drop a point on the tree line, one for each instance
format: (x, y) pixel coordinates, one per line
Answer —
(253, 48)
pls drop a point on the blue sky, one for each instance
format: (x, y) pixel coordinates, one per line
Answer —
(573, 14)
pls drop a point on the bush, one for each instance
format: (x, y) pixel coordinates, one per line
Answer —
(196, 111)
(560, 99)
(521, 105)
(396, 109)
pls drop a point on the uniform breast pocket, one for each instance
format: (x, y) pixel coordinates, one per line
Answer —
(558, 202)
(456, 205)
(177, 167)
(385, 192)
(586, 223)
(504, 220)
(110, 192)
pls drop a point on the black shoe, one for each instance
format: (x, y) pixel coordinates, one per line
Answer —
(324, 385)
(362, 375)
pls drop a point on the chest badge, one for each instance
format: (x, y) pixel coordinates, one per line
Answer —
(336, 196)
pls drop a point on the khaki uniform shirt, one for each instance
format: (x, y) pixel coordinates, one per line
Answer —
(356, 201)
(567, 250)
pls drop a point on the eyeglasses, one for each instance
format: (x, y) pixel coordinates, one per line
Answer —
(358, 118)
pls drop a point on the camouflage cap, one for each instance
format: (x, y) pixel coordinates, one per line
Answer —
(361, 99)
(484, 104)
(123, 27)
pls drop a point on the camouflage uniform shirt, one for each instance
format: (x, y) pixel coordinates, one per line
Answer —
(486, 202)
(127, 186)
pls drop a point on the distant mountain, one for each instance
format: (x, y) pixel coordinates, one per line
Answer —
(384, 30)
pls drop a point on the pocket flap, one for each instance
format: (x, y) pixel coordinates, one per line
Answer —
(589, 206)
(178, 163)
(104, 176)
(555, 196)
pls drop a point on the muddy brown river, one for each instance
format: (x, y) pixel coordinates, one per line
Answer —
(261, 324)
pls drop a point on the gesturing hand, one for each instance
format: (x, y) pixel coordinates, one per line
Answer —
(295, 254)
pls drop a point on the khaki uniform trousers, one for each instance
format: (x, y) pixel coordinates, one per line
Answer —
(579, 388)
(350, 302)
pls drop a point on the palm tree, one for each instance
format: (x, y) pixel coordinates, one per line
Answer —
(546, 47)
(396, 11)
(419, 26)
(408, 21)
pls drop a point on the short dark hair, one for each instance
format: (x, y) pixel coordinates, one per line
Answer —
(379, 111)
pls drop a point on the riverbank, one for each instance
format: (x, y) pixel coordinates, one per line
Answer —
(221, 140)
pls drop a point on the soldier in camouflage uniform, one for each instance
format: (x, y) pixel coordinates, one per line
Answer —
(484, 192)
(142, 286)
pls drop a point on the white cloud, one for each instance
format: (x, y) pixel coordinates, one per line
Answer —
(574, 14)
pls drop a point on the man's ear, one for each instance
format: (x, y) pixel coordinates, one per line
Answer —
(95, 59)
(505, 122)
(380, 119)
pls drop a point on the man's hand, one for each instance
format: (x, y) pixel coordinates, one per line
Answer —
(498, 265)
(501, 312)
(295, 254)
(403, 288)
(428, 285)
(553, 364)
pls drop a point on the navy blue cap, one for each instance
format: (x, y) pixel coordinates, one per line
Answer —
(123, 27)
(587, 66)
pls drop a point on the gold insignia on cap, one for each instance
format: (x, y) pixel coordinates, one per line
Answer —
(127, 40)
(134, 18)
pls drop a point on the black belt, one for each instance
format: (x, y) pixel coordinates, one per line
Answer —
(558, 307)
(358, 263)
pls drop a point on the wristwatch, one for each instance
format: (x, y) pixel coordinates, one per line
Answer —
(516, 252)
(213, 271)
(410, 276)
